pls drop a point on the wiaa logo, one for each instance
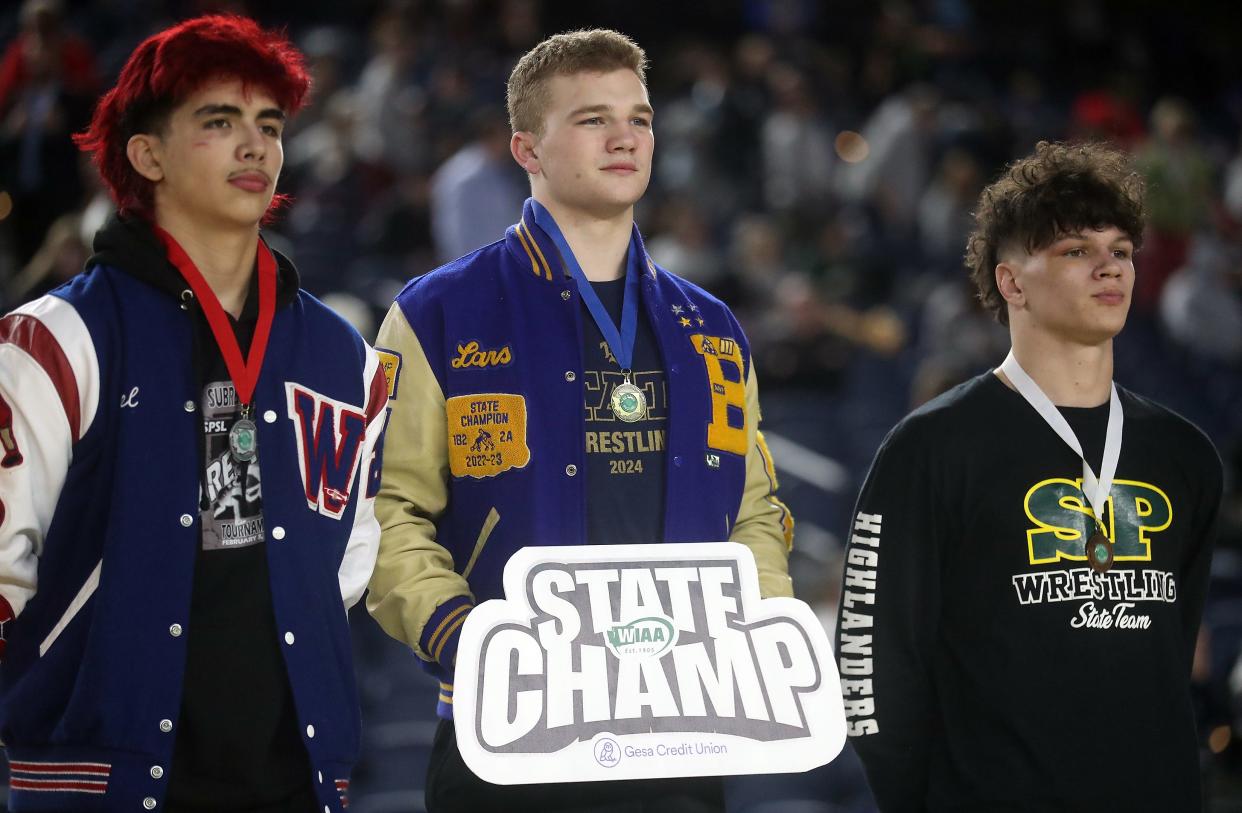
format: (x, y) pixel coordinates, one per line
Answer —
(647, 637)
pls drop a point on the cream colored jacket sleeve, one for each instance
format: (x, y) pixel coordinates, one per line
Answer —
(763, 524)
(413, 573)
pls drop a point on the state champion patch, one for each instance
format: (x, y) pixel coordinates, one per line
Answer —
(486, 434)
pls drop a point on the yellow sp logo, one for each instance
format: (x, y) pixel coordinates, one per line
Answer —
(486, 434)
(1134, 513)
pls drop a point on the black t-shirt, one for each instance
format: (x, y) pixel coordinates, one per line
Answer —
(625, 461)
(985, 667)
(238, 743)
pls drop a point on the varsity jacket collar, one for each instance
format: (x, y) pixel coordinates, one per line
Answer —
(534, 250)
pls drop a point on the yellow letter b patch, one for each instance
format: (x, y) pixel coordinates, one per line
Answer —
(486, 434)
(723, 358)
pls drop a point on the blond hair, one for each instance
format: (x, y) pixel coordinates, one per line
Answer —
(596, 50)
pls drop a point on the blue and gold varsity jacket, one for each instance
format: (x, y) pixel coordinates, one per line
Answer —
(495, 337)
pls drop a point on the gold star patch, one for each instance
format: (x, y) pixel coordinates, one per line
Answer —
(699, 319)
(685, 322)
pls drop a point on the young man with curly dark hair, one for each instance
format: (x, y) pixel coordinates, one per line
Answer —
(186, 499)
(1029, 554)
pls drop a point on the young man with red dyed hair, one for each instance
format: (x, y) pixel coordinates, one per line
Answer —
(188, 474)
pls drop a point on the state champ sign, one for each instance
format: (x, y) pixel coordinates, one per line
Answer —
(642, 661)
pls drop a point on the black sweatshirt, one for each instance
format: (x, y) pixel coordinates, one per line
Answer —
(984, 667)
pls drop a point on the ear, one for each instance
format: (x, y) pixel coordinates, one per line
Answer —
(1008, 285)
(522, 147)
(144, 156)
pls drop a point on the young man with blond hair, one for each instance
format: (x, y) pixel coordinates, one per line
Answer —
(186, 499)
(1029, 557)
(558, 388)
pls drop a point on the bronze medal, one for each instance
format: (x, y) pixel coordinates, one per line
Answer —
(1099, 552)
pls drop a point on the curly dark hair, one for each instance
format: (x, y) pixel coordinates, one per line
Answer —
(1060, 189)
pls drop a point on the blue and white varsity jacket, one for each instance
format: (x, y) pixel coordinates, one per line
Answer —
(99, 527)
(499, 332)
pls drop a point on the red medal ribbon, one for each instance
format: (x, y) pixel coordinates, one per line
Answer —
(245, 374)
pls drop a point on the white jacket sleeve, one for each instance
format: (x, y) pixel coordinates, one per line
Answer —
(360, 552)
(49, 394)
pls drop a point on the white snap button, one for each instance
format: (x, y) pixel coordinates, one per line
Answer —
(186, 520)
(149, 803)
(269, 416)
(569, 375)
(571, 469)
(156, 772)
(566, 295)
(175, 630)
(278, 532)
(321, 777)
(289, 638)
(310, 731)
(165, 726)
(188, 406)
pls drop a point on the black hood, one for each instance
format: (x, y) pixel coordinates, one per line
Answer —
(129, 244)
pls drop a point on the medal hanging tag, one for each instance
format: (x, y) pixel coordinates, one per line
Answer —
(629, 403)
(1097, 549)
(244, 438)
(244, 435)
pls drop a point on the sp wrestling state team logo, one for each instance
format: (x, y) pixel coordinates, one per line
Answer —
(1126, 597)
(642, 661)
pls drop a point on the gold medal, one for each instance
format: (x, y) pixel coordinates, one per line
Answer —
(629, 403)
(1099, 552)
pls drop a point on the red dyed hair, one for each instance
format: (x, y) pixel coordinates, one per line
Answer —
(170, 66)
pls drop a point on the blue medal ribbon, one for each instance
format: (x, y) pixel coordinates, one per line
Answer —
(621, 343)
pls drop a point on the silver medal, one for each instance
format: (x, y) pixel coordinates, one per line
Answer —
(243, 440)
(629, 403)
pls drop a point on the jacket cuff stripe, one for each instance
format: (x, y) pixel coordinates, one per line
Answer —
(446, 650)
(441, 623)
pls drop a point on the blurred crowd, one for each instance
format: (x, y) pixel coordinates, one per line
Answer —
(816, 166)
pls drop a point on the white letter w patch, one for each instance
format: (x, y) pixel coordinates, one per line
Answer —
(329, 435)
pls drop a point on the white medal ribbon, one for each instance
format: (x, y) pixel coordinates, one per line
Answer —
(1094, 490)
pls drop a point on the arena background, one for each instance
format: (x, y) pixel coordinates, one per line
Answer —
(815, 167)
